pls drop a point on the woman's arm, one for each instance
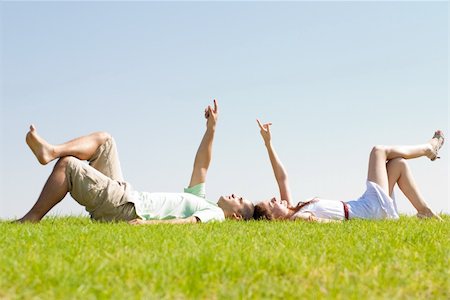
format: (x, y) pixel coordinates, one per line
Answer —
(309, 217)
(187, 220)
(278, 168)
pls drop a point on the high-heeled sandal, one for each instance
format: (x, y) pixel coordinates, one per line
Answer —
(439, 135)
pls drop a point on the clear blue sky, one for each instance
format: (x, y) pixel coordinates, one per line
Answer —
(335, 78)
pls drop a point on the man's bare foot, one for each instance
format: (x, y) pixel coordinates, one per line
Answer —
(427, 214)
(25, 220)
(19, 221)
(41, 149)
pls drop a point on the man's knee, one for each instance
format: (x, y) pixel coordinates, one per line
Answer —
(104, 136)
(67, 162)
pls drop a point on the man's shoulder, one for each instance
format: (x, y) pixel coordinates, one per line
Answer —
(198, 190)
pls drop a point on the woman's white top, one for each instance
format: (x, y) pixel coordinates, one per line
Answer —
(325, 209)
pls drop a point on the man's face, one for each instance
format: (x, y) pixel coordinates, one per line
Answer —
(233, 204)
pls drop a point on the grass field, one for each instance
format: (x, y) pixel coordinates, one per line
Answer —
(74, 258)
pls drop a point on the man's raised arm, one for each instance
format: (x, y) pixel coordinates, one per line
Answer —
(204, 152)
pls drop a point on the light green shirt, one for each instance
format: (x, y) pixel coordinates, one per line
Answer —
(163, 206)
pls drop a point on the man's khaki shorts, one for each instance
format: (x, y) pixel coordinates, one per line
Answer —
(99, 186)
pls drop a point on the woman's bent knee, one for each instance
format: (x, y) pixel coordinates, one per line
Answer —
(378, 150)
(398, 162)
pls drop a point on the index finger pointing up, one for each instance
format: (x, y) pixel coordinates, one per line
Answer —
(259, 124)
(216, 107)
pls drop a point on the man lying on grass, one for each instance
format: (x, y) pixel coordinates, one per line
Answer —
(101, 188)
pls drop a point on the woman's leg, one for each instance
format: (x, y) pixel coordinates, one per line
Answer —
(55, 189)
(399, 173)
(380, 154)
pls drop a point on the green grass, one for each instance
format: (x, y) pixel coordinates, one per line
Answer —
(74, 258)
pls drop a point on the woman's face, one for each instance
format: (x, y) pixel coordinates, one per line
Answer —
(278, 208)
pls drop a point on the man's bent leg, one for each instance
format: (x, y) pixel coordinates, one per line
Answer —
(105, 199)
(106, 160)
(82, 148)
(55, 189)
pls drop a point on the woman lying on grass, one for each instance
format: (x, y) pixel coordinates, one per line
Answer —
(387, 167)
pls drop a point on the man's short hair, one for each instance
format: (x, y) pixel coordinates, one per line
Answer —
(247, 212)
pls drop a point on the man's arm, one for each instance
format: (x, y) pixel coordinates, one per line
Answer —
(188, 220)
(278, 168)
(204, 152)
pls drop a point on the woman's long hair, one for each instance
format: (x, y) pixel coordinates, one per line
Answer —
(261, 212)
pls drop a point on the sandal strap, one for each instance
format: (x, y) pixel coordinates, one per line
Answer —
(441, 139)
(439, 135)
